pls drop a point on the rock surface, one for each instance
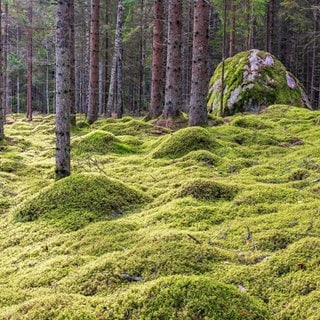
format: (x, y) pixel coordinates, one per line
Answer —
(253, 80)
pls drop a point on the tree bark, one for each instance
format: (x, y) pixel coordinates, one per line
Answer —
(73, 110)
(114, 104)
(232, 36)
(199, 78)
(156, 102)
(5, 61)
(29, 58)
(63, 90)
(173, 92)
(93, 102)
(1, 86)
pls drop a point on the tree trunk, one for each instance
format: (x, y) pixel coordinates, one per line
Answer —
(141, 59)
(73, 110)
(114, 104)
(199, 78)
(313, 88)
(1, 86)
(63, 91)
(5, 60)
(157, 60)
(93, 102)
(173, 94)
(232, 36)
(29, 58)
(269, 25)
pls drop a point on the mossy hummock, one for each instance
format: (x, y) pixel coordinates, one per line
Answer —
(253, 80)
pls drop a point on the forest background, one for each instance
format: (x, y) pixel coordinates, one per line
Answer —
(288, 29)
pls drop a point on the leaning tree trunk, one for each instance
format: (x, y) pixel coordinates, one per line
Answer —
(63, 92)
(29, 59)
(114, 104)
(199, 78)
(157, 60)
(93, 95)
(1, 87)
(173, 92)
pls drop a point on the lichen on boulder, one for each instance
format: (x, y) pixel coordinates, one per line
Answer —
(253, 80)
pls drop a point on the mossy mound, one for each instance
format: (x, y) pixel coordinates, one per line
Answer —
(205, 189)
(128, 127)
(184, 141)
(202, 156)
(100, 142)
(184, 298)
(81, 193)
(254, 80)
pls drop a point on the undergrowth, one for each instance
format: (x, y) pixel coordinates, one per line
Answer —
(202, 223)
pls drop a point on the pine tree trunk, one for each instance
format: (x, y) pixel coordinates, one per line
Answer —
(173, 92)
(93, 102)
(199, 79)
(63, 92)
(157, 60)
(73, 110)
(232, 36)
(1, 87)
(5, 61)
(114, 104)
(29, 58)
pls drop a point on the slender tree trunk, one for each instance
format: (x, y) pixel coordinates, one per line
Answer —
(63, 89)
(18, 73)
(29, 58)
(73, 110)
(269, 25)
(199, 79)
(314, 57)
(5, 60)
(93, 102)
(141, 59)
(173, 92)
(1, 79)
(232, 36)
(157, 60)
(114, 104)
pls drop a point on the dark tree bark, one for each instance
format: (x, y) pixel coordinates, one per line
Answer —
(199, 78)
(157, 60)
(63, 90)
(5, 80)
(1, 86)
(114, 104)
(173, 92)
(232, 36)
(269, 25)
(93, 102)
(315, 50)
(73, 110)
(29, 58)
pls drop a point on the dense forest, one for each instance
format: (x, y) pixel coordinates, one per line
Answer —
(288, 29)
(159, 159)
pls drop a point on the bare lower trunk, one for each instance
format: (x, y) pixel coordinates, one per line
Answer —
(93, 101)
(29, 71)
(173, 92)
(1, 87)
(73, 110)
(115, 104)
(157, 60)
(63, 92)
(232, 36)
(199, 79)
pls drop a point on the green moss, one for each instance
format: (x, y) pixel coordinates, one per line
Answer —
(251, 121)
(204, 189)
(202, 156)
(187, 298)
(184, 141)
(253, 80)
(128, 127)
(78, 195)
(100, 142)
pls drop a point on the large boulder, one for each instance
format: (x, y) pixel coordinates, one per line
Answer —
(254, 80)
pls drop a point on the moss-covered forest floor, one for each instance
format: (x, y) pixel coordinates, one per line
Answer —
(201, 223)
